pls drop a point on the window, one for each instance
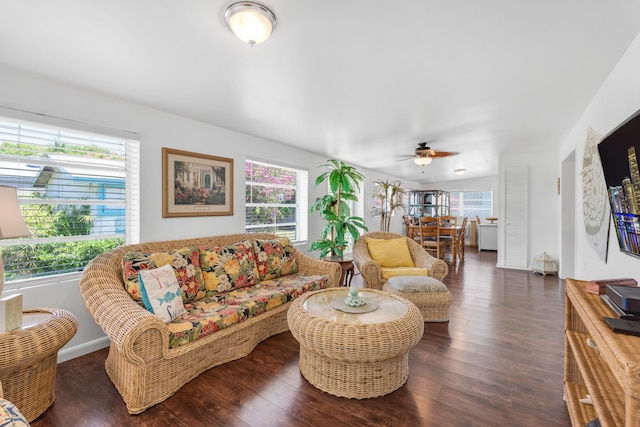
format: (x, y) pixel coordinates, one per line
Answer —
(78, 194)
(276, 200)
(471, 203)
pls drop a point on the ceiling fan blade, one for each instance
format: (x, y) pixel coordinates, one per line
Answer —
(444, 154)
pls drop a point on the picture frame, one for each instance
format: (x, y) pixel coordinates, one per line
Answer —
(196, 184)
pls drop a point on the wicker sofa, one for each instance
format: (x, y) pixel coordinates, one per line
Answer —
(371, 270)
(141, 363)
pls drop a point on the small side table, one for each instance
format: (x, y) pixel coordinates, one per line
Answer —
(29, 358)
(347, 268)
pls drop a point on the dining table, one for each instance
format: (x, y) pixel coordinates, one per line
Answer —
(413, 232)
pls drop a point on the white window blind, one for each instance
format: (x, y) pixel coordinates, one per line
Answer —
(471, 203)
(78, 192)
(276, 200)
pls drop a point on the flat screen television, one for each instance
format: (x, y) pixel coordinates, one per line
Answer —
(619, 151)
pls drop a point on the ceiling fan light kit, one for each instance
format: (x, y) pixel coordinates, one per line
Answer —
(422, 161)
(424, 155)
(251, 22)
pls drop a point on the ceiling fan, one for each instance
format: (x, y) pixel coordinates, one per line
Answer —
(423, 155)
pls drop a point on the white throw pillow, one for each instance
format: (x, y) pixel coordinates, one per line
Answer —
(161, 292)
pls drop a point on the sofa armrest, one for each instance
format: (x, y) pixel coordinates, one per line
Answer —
(310, 265)
(111, 307)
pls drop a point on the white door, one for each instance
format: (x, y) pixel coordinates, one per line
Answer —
(514, 252)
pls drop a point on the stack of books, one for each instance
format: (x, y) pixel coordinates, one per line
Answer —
(623, 297)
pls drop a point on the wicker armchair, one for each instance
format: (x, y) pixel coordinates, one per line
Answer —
(371, 271)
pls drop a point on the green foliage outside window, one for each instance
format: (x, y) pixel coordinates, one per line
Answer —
(24, 149)
(35, 260)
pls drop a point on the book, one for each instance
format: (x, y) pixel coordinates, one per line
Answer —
(599, 287)
(625, 297)
(623, 326)
(10, 313)
(612, 305)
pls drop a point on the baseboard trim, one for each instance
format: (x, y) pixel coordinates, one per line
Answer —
(82, 349)
(513, 267)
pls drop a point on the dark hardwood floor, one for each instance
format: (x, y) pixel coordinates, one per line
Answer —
(498, 362)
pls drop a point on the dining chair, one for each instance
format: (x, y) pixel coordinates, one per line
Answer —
(430, 236)
(448, 234)
(409, 227)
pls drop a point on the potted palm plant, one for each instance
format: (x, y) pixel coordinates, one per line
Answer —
(344, 184)
(389, 198)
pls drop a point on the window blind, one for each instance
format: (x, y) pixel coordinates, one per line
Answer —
(276, 200)
(471, 203)
(78, 192)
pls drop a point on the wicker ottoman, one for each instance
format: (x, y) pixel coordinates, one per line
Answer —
(430, 295)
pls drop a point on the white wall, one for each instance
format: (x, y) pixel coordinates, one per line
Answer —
(25, 92)
(617, 99)
(542, 203)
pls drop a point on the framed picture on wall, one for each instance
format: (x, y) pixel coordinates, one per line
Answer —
(196, 184)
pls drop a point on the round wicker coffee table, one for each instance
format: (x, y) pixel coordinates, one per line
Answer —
(355, 355)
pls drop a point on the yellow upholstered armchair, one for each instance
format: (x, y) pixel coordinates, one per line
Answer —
(376, 275)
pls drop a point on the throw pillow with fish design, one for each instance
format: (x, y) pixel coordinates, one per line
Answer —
(161, 292)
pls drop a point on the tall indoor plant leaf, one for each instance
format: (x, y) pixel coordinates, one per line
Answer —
(344, 185)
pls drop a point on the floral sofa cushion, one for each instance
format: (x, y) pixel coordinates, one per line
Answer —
(274, 258)
(222, 310)
(225, 268)
(10, 416)
(289, 262)
(185, 261)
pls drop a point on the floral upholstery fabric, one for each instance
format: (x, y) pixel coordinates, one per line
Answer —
(10, 416)
(289, 262)
(185, 261)
(273, 260)
(225, 268)
(222, 310)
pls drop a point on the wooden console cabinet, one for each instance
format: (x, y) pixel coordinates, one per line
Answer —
(599, 362)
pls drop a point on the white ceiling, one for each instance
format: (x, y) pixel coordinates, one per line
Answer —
(359, 80)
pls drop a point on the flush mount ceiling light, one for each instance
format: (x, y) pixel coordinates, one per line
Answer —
(251, 22)
(459, 171)
(422, 161)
